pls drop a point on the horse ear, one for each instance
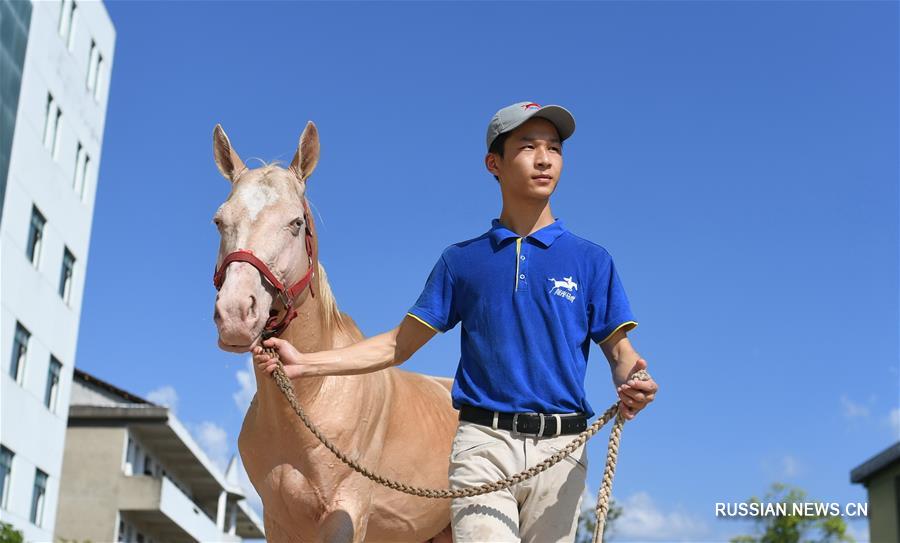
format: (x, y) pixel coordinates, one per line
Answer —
(307, 155)
(227, 160)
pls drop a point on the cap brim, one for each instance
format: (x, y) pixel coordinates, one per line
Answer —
(560, 117)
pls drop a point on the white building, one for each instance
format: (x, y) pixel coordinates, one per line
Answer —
(149, 481)
(55, 66)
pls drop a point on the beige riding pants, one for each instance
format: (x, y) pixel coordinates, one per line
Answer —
(542, 509)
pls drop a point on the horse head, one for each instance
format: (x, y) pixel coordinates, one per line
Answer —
(267, 251)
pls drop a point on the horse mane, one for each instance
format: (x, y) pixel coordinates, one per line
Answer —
(332, 318)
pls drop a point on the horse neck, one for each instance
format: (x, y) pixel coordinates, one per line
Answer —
(307, 333)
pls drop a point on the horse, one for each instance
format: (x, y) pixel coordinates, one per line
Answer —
(398, 423)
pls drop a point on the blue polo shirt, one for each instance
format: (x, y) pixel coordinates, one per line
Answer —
(529, 308)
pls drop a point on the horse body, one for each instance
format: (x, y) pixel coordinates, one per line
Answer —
(397, 423)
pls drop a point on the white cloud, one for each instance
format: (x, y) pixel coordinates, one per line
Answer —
(852, 409)
(164, 395)
(247, 383)
(214, 441)
(790, 466)
(642, 519)
(894, 421)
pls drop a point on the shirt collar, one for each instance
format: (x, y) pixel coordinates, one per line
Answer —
(545, 236)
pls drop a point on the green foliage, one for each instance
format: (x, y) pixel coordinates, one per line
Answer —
(8, 534)
(587, 520)
(794, 528)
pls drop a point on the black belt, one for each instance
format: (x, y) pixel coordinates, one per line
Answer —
(535, 424)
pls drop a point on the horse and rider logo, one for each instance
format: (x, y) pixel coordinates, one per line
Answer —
(563, 288)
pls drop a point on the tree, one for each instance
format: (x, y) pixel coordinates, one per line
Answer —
(791, 528)
(587, 520)
(8, 534)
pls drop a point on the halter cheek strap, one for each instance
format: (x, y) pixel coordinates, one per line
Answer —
(287, 295)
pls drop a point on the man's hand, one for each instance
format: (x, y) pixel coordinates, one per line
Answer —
(290, 358)
(634, 393)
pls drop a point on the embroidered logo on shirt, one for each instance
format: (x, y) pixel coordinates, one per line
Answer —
(563, 288)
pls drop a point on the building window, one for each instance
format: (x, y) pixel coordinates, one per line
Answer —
(67, 13)
(95, 63)
(130, 457)
(20, 350)
(65, 276)
(98, 78)
(81, 166)
(52, 125)
(35, 236)
(37, 498)
(6, 457)
(52, 391)
(49, 118)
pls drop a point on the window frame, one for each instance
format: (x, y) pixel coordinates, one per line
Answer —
(35, 236)
(38, 499)
(7, 457)
(19, 359)
(51, 392)
(66, 275)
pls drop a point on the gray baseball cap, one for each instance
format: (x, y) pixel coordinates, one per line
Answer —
(512, 116)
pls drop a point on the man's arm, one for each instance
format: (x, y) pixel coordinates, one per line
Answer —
(624, 361)
(391, 348)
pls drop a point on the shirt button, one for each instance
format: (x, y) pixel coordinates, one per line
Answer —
(522, 276)
(522, 257)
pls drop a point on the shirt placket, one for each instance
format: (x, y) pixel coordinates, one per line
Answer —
(522, 255)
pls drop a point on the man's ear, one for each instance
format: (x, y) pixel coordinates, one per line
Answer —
(490, 162)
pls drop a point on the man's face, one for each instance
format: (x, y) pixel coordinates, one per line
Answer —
(531, 163)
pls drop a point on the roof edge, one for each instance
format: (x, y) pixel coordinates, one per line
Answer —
(871, 467)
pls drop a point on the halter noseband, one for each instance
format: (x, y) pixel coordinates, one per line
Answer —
(287, 295)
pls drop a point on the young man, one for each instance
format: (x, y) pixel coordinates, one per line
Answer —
(531, 297)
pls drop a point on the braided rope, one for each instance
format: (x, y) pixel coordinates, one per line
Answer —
(287, 388)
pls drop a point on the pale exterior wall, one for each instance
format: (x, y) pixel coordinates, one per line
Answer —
(884, 509)
(30, 295)
(89, 494)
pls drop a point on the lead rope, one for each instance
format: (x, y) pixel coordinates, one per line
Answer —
(287, 387)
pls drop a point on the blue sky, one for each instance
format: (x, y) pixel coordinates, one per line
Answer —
(739, 160)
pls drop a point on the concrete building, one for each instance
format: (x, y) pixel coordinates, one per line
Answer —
(148, 480)
(881, 477)
(55, 65)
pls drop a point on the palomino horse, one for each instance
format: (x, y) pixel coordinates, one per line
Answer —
(398, 423)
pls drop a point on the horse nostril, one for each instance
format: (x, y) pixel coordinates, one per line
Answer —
(252, 305)
(216, 315)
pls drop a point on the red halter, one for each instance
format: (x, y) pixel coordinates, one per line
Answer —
(287, 295)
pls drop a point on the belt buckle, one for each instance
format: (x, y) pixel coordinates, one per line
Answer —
(515, 425)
